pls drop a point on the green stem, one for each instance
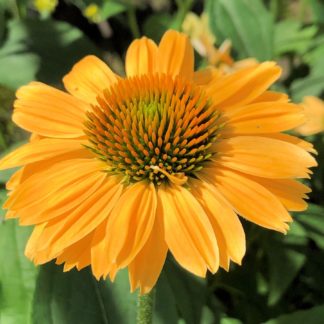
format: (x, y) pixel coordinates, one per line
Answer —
(132, 20)
(145, 305)
(183, 7)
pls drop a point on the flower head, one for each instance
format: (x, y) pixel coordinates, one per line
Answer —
(314, 112)
(45, 6)
(119, 171)
(92, 12)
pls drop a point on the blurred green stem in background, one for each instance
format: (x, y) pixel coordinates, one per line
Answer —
(183, 7)
(132, 21)
(145, 304)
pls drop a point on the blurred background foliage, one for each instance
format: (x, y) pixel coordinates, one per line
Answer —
(281, 280)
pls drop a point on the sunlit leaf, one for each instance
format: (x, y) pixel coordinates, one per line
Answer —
(246, 23)
(17, 274)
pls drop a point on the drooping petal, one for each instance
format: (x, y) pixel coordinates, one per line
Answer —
(224, 220)
(77, 255)
(176, 55)
(88, 78)
(141, 57)
(130, 223)
(188, 232)
(73, 226)
(46, 111)
(264, 157)
(42, 150)
(66, 197)
(250, 199)
(145, 269)
(51, 181)
(100, 264)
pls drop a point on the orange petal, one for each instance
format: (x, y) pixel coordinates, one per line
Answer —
(264, 157)
(224, 220)
(62, 198)
(176, 55)
(99, 251)
(42, 150)
(130, 223)
(73, 226)
(141, 57)
(31, 245)
(188, 232)
(243, 86)
(272, 96)
(145, 269)
(250, 199)
(44, 184)
(206, 76)
(314, 112)
(89, 78)
(77, 255)
(265, 117)
(290, 192)
(47, 111)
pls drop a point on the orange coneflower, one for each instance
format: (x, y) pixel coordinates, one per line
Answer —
(119, 171)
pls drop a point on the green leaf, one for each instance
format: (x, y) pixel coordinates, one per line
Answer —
(77, 297)
(112, 8)
(45, 50)
(165, 307)
(189, 292)
(284, 262)
(291, 37)
(246, 23)
(17, 275)
(313, 223)
(312, 85)
(314, 315)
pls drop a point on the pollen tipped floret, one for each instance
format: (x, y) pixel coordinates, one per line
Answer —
(152, 126)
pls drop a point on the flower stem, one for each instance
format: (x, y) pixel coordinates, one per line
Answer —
(132, 21)
(145, 308)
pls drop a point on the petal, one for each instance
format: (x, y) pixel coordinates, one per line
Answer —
(307, 146)
(243, 86)
(141, 57)
(265, 117)
(43, 185)
(290, 192)
(224, 220)
(99, 251)
(188, 232)
(272, 96)
(264, 157)
(73, 226)
(145, 269)
(47, 111)
(206, 76)
(176, 55)
(42, 150)
(250, 199)
(89, 78)
(62, 199)
(130, 223)
(77, 255)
